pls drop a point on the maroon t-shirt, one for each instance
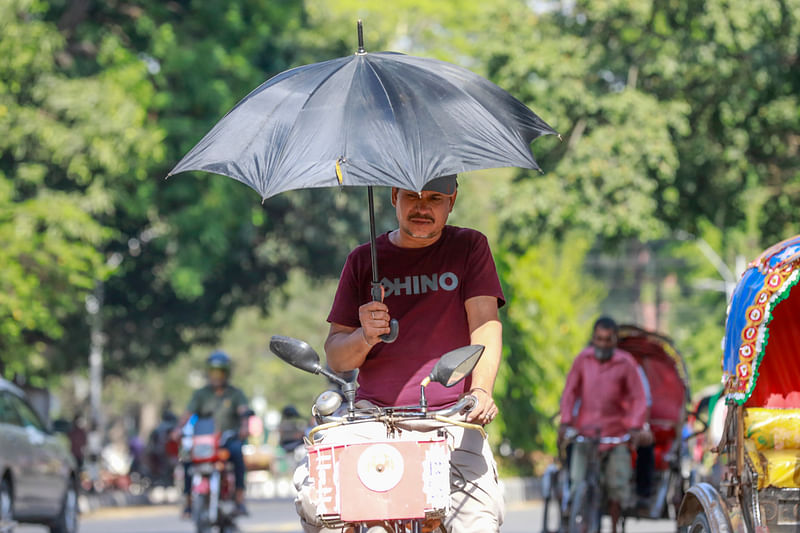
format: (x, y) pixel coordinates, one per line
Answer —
(425, 290)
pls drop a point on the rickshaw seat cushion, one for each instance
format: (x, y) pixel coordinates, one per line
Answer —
(773, 429)
(775, 468)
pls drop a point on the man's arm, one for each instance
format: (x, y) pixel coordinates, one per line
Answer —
(346, 347)
(570, 394)
(485, 329)
(568, 399)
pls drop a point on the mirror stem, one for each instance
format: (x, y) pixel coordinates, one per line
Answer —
(349, 391)
(423, 401)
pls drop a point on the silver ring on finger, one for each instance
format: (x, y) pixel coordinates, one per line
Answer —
(372, 315)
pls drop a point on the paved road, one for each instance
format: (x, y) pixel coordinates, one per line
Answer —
(277, 516)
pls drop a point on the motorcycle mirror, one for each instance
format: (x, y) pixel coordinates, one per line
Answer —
(295, 352)
(455, 365)
(349, 376)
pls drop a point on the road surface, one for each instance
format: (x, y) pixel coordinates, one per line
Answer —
(277, 516)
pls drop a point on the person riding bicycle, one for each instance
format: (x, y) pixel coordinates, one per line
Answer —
(441, 283)
(604, 397)
(227, 405)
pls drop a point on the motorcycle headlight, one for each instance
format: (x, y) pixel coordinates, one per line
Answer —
(380, 467)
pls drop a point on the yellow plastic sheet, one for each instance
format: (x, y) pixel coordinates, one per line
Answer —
(773, 445)
(775, 468)
(773, 429)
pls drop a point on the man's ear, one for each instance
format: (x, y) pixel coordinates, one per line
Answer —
(394, 196)
(453, 201)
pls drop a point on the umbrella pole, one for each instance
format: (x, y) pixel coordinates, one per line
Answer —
(376, 288)
(372, 251)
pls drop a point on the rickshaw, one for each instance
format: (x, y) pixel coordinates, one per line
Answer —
(658, 480)
(759, 451)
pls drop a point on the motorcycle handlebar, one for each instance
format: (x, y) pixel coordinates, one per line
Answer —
(462, 406)
(603, 440)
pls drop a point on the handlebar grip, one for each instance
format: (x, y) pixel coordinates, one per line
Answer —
(394, 330)
(470, 403)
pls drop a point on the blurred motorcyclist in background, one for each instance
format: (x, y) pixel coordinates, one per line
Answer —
(227, 405)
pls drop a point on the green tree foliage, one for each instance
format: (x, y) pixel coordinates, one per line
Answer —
(64, 141)
(672, 112)
(447, 30)
(137, 86)
(551, 306)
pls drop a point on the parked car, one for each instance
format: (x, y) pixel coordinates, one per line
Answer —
(38, 475)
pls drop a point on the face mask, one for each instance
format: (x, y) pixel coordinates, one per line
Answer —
(603, 354)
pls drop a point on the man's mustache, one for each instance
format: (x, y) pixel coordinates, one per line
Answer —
(420, 215)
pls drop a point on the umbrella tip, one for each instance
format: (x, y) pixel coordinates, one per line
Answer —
(361, 49)
(559, 137)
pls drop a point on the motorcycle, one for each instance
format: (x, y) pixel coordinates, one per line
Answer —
(213, 484)
(405, 480)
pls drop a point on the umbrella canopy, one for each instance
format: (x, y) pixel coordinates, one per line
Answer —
(368, 119)
(383, 119)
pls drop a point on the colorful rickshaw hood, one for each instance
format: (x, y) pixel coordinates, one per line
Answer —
(767, 281)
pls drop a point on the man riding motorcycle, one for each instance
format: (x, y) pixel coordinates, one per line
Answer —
(440, 282)
(604, 397)
(227, 405)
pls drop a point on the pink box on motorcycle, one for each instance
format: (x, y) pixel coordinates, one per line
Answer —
(380, 480)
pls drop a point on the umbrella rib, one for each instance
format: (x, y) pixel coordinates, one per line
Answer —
(294, 125)
(391, 107)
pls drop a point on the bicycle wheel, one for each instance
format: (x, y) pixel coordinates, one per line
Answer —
(584, 511)
(551, 515)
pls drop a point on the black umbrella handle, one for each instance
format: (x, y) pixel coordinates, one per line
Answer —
(394, 325)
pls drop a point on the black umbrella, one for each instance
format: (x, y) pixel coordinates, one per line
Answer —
(383, 119)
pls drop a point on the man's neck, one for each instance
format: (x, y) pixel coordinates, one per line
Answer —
(402, 239)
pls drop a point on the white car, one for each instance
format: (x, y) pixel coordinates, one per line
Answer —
(38, 476)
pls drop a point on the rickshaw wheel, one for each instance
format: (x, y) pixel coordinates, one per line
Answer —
(700, 524)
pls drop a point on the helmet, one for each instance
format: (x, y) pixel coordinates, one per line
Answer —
(219, 360)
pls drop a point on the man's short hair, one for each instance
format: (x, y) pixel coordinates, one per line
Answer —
(606, 322)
